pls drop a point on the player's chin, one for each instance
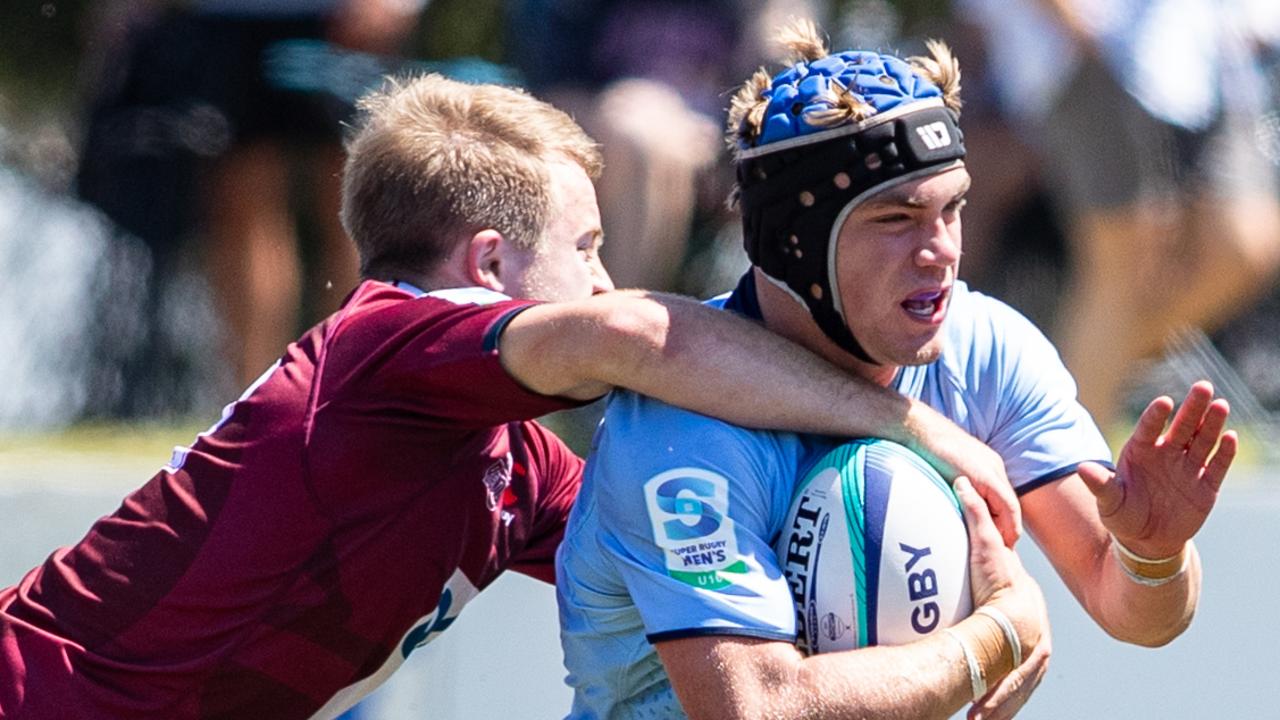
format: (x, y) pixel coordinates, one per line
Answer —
(925, 353)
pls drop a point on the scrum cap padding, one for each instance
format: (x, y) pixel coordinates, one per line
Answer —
(795, 194)
(796, 94)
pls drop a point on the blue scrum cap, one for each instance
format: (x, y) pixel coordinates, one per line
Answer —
(835, 130)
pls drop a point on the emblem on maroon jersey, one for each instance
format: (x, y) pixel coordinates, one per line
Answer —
(496, 480)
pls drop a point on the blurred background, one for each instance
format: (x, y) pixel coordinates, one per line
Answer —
(168, 222)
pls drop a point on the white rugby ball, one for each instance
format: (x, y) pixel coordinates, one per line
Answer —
(874, 549)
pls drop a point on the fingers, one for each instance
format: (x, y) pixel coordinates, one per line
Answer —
(1008, 697)
(1216, 471)
(976, 514)
(1102, 483)
(990, 570)
(1189, 417)
(1215, 419)
(1005, 509)
(1151, 422)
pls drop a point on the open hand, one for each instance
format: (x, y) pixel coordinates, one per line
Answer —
(1166, 481)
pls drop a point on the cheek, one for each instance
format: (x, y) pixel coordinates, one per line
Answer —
(567, 275)
(863, 279)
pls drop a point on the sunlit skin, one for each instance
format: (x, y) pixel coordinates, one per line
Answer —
(899, 252)
(896, 264)
(566, 264)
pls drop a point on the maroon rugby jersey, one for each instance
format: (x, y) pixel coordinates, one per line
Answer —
(338, 516)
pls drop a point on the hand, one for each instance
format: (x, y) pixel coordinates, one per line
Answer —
(1166, 483)
(954, 452)
(996, 575)
(1009, 695)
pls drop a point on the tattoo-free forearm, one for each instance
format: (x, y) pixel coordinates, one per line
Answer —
(700, 358)
(1142, 614)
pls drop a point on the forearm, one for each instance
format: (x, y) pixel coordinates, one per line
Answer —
(721, 365)
(1138, 613)
(929, 678)
(706, 360)
(737, 370)
(1063, 518)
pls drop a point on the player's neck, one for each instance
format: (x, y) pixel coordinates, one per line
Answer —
(784, 315)
(442, 278)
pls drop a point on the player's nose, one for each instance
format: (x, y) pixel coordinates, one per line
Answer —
(600, 280)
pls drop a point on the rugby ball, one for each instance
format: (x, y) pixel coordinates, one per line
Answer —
(874, 550)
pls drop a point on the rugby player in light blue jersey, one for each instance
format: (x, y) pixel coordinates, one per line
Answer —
(851, 181)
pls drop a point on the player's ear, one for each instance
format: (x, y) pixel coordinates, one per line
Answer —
(487, 260)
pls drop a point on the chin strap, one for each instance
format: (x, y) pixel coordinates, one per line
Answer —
(795, 195)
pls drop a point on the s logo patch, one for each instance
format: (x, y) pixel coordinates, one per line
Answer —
(689, 513)
(693, 501)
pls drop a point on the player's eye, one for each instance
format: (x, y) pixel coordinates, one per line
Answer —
(891, 218)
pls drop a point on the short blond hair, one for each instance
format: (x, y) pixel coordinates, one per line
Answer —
(432, 160)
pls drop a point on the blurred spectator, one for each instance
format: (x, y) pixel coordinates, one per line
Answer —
(647, 79)
(219, 121)
(1145, 114)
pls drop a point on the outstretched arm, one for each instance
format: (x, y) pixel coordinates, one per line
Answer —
(715, 363)
(1122, 540)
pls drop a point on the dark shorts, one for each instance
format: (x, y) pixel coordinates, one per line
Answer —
(221, 65)
(183, 90)
(1104, 150)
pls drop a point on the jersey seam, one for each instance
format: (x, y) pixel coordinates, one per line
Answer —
(1057, 474)
(759, 633)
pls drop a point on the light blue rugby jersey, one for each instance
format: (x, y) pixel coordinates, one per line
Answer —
(673, 531)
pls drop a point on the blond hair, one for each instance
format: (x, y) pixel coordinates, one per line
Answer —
(803, 43)
(431, 161)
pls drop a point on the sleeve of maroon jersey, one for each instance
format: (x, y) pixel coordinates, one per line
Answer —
(559, 477)
(430, 355)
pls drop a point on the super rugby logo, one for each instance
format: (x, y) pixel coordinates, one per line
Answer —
(689, 512)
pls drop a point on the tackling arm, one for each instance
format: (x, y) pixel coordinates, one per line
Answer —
(702, 359)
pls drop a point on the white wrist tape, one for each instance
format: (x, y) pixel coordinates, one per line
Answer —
(1121, 552)
(976, 682)
(1010, 632)
(1120, 548)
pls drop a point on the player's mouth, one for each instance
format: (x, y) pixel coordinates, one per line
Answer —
(928, 306)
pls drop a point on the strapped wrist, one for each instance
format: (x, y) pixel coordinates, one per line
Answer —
(1149, 572)
(977, 683)
(1006, 627)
